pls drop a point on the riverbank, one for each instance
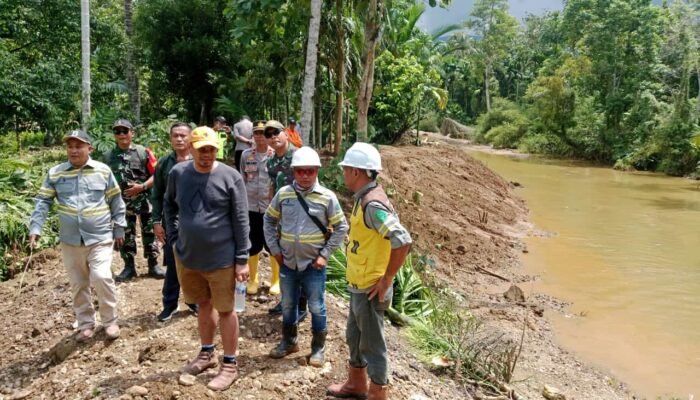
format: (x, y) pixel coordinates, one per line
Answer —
(467, 217)
(473, 222)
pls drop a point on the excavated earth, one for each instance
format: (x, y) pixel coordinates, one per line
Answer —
(469, 220)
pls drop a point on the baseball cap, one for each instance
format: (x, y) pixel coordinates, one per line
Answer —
(292, 121)
(123, 123)
(78, 135)
(204, 136)
(259, 126)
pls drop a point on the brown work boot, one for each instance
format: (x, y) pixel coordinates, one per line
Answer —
(378, 392)
(226, 376)
(354, 387)
(203, 361)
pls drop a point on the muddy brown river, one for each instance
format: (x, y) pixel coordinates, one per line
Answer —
(626, 254)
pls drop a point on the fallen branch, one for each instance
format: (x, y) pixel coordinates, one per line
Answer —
(487, 272)
(399, 318)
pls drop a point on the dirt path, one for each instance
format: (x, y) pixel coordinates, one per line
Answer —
(457, 209)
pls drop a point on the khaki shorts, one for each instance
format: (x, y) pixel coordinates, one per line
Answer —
(215, 285)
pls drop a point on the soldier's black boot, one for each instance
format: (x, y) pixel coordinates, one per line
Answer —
(288, 344)
(318, 348)
(155, 270)
(129, 271)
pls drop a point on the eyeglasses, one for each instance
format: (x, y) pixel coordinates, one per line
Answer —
(272, 132)
(121, 131)
(305, 171)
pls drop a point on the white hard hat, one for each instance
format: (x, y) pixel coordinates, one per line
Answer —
(363, 156)
(306, 157)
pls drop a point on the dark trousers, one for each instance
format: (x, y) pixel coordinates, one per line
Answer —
(237, 159)
(365, 335)
(171, 285)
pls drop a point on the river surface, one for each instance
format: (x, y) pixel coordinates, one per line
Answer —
(626, 254)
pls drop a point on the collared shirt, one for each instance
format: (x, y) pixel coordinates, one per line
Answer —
(280, 169)
(257, 181)
(378, 217)
(243, 128)
(290, 231)
(160, 181)
(90, 207)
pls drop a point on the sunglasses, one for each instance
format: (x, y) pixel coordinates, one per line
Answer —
(121, 131)
(305, 171)
(272, 132)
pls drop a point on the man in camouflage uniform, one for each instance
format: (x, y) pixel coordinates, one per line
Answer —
(133, 165)
(279, 169)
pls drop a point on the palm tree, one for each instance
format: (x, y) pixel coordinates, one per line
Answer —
(307, 94)
(132, 80)
(85, 59)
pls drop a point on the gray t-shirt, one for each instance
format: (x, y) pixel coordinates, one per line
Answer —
(206, 216)
(243, 128)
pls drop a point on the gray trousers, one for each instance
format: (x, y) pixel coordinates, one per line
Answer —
(365, 335)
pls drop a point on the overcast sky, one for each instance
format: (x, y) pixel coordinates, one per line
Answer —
(460, 9)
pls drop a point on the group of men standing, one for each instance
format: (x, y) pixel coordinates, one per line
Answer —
(214, 222)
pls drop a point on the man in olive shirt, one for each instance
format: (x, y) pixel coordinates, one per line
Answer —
(179, 140)
(133, 166)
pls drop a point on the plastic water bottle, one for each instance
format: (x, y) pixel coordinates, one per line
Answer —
(239, 298)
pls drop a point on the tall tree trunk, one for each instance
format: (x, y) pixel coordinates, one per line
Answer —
(309, 88)
(85, 61)
(487, 93)
(340, 74)
(319, 123)
(372, 36)
(132, 80)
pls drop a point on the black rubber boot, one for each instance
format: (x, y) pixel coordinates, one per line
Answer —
(155, 270)
(128, 273)
(288, 344)
(318, 348)
(276, 310)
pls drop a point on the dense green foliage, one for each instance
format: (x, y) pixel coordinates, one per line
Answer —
(615, 82)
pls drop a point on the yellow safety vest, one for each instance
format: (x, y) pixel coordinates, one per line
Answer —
(367, 252)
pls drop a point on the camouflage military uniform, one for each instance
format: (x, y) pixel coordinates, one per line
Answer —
(280, 169)
(134, 166)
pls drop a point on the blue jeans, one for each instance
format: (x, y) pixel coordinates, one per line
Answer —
(312, 282)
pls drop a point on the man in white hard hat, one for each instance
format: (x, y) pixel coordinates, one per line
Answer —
(376, 250)
(303, 225)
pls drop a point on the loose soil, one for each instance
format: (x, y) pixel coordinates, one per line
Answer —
(466, 217)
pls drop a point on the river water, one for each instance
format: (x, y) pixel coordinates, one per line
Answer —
(626, 253)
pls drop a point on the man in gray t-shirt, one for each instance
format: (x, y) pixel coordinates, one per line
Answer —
(243, 135)
(206, 217)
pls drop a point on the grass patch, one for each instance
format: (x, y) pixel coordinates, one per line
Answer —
(445, 334)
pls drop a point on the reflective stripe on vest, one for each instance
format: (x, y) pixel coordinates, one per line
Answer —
(367, 252)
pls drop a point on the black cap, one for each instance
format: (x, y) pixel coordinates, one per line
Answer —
(220, 118)
(122, 123)
(78, 135)
(292, 121)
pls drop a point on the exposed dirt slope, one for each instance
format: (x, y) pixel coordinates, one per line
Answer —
(465, 215)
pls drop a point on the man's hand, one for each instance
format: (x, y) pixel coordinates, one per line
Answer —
(379, 289)
(134, 190)
(319, 263)
(159, 232)
(241, 272)
(34, 241)
(118, 243)
(279, 258)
